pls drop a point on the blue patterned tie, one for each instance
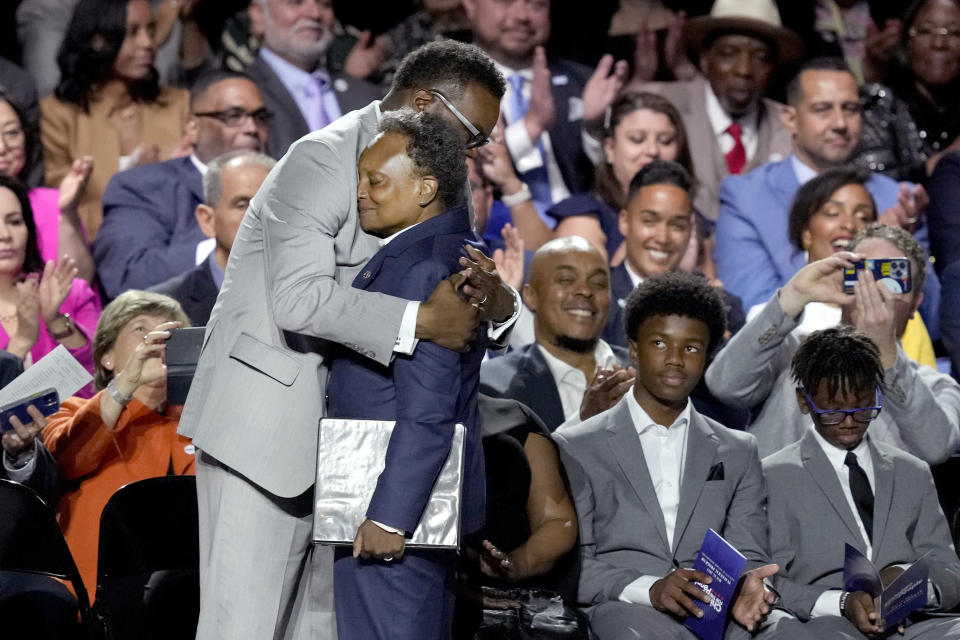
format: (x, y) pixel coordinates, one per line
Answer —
(537, 179)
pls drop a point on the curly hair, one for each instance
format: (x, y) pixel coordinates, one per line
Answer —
(448, 65)
(32, 262)
(677, 293)
(902, 240)
(847, 359)
(626, 103)
(435, 149)
(89, 49)
(816, 193)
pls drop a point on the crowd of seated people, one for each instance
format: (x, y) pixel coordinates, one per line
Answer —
(674, 213)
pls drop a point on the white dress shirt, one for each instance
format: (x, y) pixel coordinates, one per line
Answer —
(664, 451)
(828, 604)
(570, 381)
(206, 246)
(523, 150)
(720, 121)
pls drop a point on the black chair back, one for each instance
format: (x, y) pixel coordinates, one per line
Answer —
(148, 561)
(31, 542)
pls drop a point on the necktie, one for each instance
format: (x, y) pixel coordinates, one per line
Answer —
(317, 117)
(862, 494)
(737, 156)
(537, 179)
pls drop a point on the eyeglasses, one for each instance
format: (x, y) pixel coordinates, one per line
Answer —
(929, 32)
(12, 138)
(477, 139)
(862, 415)
(236, 116)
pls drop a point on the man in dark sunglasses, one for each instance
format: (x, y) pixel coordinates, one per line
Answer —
(837, 486)
(150, 232)
(258, 393)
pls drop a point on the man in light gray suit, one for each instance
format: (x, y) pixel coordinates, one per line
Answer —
(837, 486)
(258, 392)
(651, 475)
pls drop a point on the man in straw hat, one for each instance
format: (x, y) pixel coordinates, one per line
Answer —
(731, 127)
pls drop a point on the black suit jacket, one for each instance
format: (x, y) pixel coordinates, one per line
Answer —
(288, 124)
(524, 376)
(195, 290)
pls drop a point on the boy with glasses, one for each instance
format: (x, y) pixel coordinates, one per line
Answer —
(836, 486)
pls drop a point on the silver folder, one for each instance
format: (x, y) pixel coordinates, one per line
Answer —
(350, 456)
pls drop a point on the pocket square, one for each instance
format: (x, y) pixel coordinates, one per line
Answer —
(716, 472)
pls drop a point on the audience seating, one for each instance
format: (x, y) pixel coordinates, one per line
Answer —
(31, 542)
(148, 561)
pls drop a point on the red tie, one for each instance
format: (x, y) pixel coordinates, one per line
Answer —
(737, 156)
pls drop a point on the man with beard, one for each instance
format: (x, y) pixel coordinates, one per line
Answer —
(569, 373)
(298, 90)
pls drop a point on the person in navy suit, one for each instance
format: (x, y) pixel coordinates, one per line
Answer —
(229, 185)
(150, 232)
(753, 252)
(569, 373)
(411, 194)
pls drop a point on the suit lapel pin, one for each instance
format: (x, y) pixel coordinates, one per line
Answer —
(367, 275)
(340, 85)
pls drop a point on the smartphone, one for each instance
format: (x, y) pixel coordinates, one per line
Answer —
(47, 401)
(182, 354)
(894, 273)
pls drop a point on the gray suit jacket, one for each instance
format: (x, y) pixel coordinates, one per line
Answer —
(622, 531)
(258, 392)
(921, 407)
(773, 139)
(810, 521)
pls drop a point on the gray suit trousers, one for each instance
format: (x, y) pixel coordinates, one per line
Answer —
(260, 576)
(624, 621)
(837, 628)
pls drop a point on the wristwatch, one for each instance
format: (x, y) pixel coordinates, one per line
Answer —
(68, 329)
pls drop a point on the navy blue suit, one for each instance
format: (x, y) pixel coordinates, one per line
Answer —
(426, 393)
(150, 231)
(195, 290)
(942, 216)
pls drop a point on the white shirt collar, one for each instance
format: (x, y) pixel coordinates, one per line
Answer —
(635, 277)
(642, 421)
(837, 456)
(720, 120)
(804, 172)
(201, 167)
(385, 241)
(602, 355)
(526, 72)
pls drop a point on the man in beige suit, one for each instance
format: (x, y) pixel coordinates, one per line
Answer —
(731, 127)
(258, 393)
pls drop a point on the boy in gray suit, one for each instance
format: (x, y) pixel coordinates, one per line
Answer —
(651, 475)
(836, 485)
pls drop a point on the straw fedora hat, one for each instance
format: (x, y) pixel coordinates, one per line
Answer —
(752, 17)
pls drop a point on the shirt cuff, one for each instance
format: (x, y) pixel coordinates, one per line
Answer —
(497, 329)
(406, 338)
(592, 147)
(386, 528)
(20, 469)
(525, 154)
(638, 591)
(828, 604)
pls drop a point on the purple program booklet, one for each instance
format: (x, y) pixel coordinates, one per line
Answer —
(898, 599)
(719, 560)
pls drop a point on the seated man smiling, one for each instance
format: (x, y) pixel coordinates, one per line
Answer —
(411, 194)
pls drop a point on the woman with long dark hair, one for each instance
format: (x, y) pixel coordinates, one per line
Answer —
(42, 305)
(109, 103)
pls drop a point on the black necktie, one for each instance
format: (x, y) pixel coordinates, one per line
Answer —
(862, 494)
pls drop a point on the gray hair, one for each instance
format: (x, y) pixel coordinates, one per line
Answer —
(213, 178)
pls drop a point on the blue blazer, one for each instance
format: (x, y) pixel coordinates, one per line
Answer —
(426, 393)
(150, 231)
(753, 252)
(523, 375)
